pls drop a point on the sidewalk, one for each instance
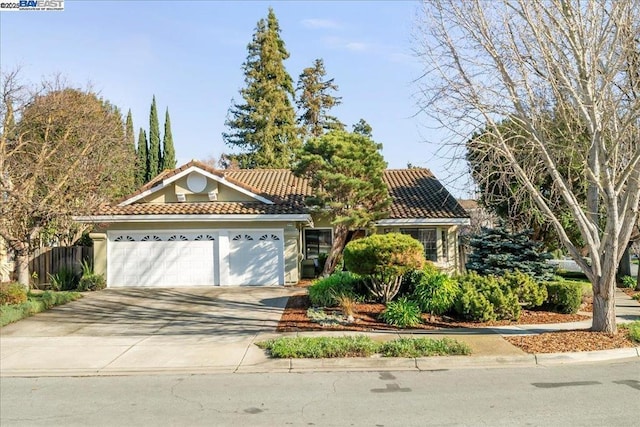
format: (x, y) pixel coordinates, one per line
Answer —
(198, 354)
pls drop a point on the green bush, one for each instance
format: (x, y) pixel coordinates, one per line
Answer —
(530, 293)
(402, 313)
(564, 296)
(436, 293)
(423, 347)
(634, 330)
(384, 259)
(325, 292)
(413, 277)
(12, 293)
(92, 282)
(486, 298)
(628, 282)
(64, 280)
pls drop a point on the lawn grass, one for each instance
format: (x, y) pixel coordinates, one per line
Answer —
(36, 303)
(360, 346)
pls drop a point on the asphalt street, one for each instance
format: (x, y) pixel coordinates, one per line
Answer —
(603, 394)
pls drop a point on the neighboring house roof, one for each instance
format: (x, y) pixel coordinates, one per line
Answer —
(468, 204)
(416, 193)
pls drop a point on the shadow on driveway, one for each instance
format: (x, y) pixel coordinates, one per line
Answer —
(161, 312)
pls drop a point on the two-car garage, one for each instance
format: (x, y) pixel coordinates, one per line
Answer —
(195, 258)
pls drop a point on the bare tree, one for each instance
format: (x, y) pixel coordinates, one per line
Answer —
(62, 153)
(516, 62)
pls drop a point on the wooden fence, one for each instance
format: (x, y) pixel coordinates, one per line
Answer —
(48, 261)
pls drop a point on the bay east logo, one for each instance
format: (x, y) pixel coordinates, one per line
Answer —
(41, 4)
(21, 5)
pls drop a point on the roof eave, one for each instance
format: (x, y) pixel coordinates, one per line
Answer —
(423, 221)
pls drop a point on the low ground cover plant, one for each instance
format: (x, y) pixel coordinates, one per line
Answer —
(361, 346)
(326, 292)
(36, 303)
(634, 330)
(423, 347)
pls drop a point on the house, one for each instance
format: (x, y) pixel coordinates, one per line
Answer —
(195, 226)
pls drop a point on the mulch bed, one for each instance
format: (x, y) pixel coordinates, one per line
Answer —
(366, 315)
(294, 318)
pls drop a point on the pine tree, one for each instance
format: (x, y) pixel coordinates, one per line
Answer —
(315, 101)
(363, 128)
(168, 151)
(155, 150)
(263, 126)
(142, 159)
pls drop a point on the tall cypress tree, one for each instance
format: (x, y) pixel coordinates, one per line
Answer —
(142, 159)
(168, 151)
(155, 150)
(263, 126)
(315, 100)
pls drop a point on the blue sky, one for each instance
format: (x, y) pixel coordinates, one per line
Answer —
(189, 55)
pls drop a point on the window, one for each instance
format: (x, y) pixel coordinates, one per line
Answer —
(428, 238)
(316, 242)
(445, 245)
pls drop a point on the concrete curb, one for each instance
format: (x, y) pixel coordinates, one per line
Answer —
(375, 363)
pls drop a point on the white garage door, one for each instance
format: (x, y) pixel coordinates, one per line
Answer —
(161, 259)
(256, 257)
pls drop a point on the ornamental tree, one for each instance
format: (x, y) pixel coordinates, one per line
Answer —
(384, 259)
(345, 171)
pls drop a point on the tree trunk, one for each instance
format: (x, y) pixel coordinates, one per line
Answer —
(604, 312)
(339, 241)
(22, 266)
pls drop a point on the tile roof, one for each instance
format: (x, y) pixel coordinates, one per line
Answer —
(202, 208)
(416, 193)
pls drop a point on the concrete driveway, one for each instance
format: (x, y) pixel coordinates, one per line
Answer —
(144, 329)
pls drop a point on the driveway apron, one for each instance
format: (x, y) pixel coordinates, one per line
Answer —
(143, 329)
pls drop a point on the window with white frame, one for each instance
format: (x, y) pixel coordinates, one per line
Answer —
(429, 239)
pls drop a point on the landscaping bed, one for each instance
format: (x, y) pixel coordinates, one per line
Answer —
(294, 318)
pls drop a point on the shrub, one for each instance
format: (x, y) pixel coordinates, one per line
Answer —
(564, 296)
(634, 331)
(413, 277)
(423, 347)
(384, 259)
(530, 293)
(64, 280)
(92, 282)
(435, 294)
(402, 313)
(628, 282)
(12, 293)
(326, 291)
(486, 298)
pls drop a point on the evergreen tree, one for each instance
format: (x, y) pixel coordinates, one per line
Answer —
(263, 125)
(497, 251)
(315, 101)
(128, 131)
(155, 150)
(363, 128)
(168, 151)
(345, 171)
(142, 159)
